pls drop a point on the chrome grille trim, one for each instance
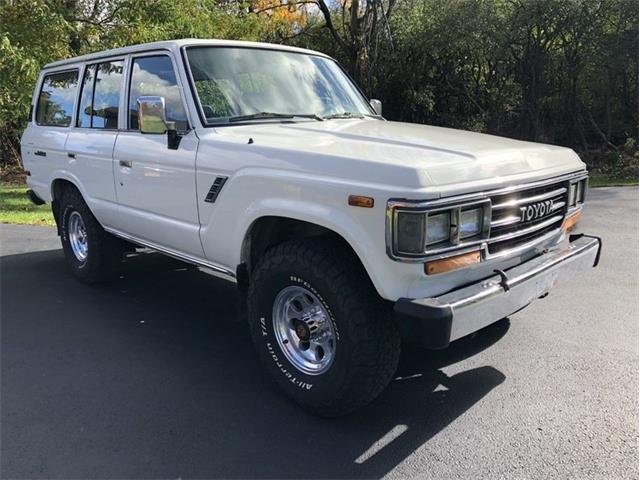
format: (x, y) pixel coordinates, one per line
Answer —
(526, 231)
(513, 219)
(503, 222)
(490, 246)
(509, 230)
(538, 241)
(524, 200)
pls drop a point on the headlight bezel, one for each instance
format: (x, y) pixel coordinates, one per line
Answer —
(455, 241)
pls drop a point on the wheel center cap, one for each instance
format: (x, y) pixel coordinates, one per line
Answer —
(302, 330)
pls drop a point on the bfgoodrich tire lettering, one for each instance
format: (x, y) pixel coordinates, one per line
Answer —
(96, 256)
(367, 344)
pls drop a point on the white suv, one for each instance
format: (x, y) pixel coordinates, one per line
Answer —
(266, 165)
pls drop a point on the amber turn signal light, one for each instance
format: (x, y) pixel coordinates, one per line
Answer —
(360, 201)
(451, 263)
(570, 222)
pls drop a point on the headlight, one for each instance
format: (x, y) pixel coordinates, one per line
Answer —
(572, 194)
(423, 232)
(410, 232)
(577, 193)
(471, 222)
(438, 227)
(580, 192)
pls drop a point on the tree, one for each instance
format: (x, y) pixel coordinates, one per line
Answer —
(558, 71)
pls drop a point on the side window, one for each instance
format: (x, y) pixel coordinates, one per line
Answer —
(86, 97)
(57, 96)
(100, 98)
(155, 76)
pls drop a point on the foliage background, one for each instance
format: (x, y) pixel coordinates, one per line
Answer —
(555, 71)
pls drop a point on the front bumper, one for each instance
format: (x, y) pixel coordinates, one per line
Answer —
(434, 322)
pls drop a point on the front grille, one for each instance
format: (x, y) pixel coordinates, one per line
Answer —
(515, 219)
(510, 227)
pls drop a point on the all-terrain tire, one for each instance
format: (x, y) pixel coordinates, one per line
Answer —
(104, 252)
(367, 345)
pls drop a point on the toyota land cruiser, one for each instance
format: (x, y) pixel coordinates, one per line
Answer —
(266, 165)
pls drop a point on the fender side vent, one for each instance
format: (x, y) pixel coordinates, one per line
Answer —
(218, 183)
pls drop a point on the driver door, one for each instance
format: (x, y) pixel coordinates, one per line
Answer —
(155, 185)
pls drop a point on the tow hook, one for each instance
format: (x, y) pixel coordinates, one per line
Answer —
(504, 280)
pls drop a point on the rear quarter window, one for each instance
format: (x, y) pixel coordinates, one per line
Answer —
(56, 99)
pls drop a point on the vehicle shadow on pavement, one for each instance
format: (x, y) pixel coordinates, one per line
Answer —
(154, 376)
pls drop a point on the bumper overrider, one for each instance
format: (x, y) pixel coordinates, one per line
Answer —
(437, 321)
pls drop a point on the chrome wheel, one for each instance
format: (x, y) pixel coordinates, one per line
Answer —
(304, 330)
(78, 236)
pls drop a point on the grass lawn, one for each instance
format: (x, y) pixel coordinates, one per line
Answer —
(15, 207)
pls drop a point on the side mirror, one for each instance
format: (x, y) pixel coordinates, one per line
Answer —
(152, 120)
(151, 116)
(377, 106)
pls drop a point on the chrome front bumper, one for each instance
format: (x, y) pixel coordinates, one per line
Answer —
(434, 322)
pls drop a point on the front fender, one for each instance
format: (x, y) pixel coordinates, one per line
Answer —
(321, 201)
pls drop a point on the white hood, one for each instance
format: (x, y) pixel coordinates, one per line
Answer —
(439, 157)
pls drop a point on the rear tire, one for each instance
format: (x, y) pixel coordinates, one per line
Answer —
(336, 302)
(92, 254)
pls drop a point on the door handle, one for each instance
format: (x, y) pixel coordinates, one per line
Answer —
(40, 153)
(71, 155)
(125, 163)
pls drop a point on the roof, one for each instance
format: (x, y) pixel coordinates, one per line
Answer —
(175, 45)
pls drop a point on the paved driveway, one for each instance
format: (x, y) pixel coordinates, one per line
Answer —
(153, 376)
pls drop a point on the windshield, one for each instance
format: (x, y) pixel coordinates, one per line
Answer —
(242, 84)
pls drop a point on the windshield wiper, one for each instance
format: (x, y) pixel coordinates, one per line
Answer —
(344, 115)
(269, 115)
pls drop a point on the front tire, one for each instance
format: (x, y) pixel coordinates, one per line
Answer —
(92, 254)
(320, 328)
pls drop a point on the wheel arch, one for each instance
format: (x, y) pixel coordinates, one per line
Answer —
(58, 186)
(270, 230)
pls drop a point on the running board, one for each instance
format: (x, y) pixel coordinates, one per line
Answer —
(209, 267)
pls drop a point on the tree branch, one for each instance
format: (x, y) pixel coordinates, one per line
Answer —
(329, 24)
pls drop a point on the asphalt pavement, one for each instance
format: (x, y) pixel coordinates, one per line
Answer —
(155, 376)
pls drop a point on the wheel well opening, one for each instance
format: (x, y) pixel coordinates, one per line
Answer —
(267, 232)
(58, 187)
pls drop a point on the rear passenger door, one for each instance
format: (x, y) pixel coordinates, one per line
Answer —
(155, 186)
(90, 143)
